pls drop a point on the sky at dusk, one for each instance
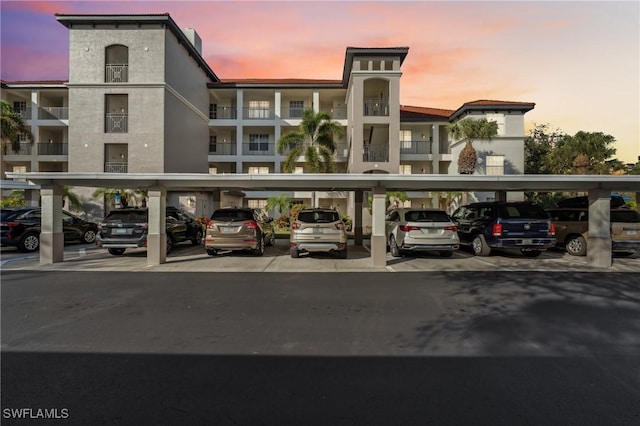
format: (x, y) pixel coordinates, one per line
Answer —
(578, 61)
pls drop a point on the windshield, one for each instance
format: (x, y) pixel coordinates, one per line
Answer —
(318, 217)
(426, 216)
(232, 215)
(126, 216)
(524, 210)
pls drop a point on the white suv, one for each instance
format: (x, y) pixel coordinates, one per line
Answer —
(318, 230)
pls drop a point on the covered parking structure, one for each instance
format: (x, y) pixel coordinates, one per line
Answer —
(598, 187)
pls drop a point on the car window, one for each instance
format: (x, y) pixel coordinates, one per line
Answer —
(459, 213)
(31, 215)
(232, 215)
(126, 216)
(426, 216)
(529, 211)
(8, 214)
(625, 216)
(318, 217)
(393, 216)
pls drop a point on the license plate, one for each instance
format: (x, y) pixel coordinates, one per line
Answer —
(227, 229)
(527, 242)
(120, 231)
(631, 232)
(318, 230)
(430, 231)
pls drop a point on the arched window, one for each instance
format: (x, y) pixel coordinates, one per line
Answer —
(116, 64)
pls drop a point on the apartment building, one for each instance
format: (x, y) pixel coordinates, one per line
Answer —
(141, 99)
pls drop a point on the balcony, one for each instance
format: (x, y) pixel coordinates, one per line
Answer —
(416, 147)
(258, 148)
(53, 113)
(378, 153)
(117, 122)
(251, 113)
(113, 167)
(53, 149)
(25, 149)
(376, 107)
(25, 113)
(222, 149)
(223, 113)
(116, 73)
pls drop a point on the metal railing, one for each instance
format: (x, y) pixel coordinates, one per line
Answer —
(376, 107)
(222, 149)
(375, 153)
(24, 113)
(25, 149)
(117, 122)
(416, 147)
(258, 148)
(223, 113)
(116, 73)
(53, 149)
(53, 113)
(113, 167)
(293, 112)
(250, 113)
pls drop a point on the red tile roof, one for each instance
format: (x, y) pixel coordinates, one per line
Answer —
(414, 111)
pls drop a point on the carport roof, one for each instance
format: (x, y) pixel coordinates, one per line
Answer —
(336, 181)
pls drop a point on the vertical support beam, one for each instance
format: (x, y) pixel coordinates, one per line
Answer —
(599, 240)
(378, 239)
(316, 101)
(202, 205)
(51, 233)
(32, 197)
(501, 196)
(216, 199)
(357, 218)
(157, 236)
(239, 128)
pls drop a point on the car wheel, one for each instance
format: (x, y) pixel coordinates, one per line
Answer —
(259, 251)
(395, 251)
(446, 253)
(89, 236)
(294, 252)
(30, 242)
(531, 253)
(576, 245)
(480, 247)
(169, 243)
(212, 252)
(272, 239)
(116, 251)
(197, 240)
(342, 254)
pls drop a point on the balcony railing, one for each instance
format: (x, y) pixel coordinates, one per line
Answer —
(222, 149)
(24, 113)
(376, 107)
(119, 167)
(416, 147)
(53, 113)
(53, 149)
(117, 122)
(376, 153)
(223, 113)
(258, 148)
(25, 149)
(250, 113)
(116, 73)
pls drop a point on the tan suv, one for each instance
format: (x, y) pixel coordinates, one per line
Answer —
(572, 226)
(318, 230)
(239, 229)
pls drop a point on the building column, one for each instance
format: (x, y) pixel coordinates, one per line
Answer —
(51, 232)
(599, 240)
(501, 196)
(357, 218)
(32, 197)
(202, 205)
(378, 239)
(216, 199)
(239, 128)
(316, 101)
(157, 236)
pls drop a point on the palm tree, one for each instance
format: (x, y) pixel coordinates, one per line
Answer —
(471, 129)
(74, 201)
(13, 127)
(128, 196)
(314, 140)
(278, 202)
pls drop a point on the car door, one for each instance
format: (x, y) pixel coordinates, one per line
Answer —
(391, 222)
(70, 227)
(464, 218)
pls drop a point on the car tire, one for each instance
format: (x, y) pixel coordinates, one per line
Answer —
(169, 243)
(393, 247)
(259, 251)
(116, 251)
(29, 242)
(479, 246)
(446, 253)
(531, 253)
(197, 240)
(342, 254)
(212, 252)
(89, 236)
(272, 239)
(576, 245)
(294, 252)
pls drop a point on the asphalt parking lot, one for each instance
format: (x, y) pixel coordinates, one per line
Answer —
(186, 257)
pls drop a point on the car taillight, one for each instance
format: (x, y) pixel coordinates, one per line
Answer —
(295, 225)
(10, 224)
(552, 229)
(251, 225)
(210, 225)
(452, 228)
(340, 226)
(407, 228)
(497, 229)
(144, 225)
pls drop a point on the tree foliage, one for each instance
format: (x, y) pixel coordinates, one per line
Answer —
(584, 153)
(128, 197)
(471, 129)
(538, 147)
(313, 140)
(279, 202)
(13, 127)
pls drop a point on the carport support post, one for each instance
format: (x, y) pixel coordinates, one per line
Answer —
(378, 239)
(31, 197)
(357, 218)
(51, 233)
(599, 240)
(501, 196)
(157, 236)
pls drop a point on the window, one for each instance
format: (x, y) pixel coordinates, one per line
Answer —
(296, 108)
(116, 64)
(258, 170)
(213, 170)
(258, 109)
(259, 142)
(20, 107)
(257, 204)
(117, 116)
(495, 164)
(498, 118)
(213, 111)
(405, 169)
(405, 139)
(213, 144)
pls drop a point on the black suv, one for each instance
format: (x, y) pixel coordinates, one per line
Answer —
(505, 225)
(128, 228)
(20, 227)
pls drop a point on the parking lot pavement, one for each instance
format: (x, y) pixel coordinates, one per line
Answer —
(188, 258)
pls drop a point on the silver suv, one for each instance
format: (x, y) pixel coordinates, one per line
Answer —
(239, 229)
(318, 230)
